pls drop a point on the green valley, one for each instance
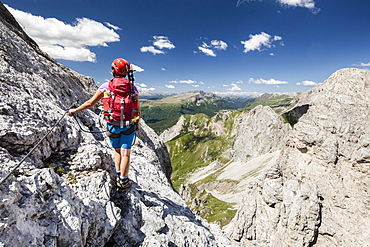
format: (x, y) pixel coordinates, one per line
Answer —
(204, 140)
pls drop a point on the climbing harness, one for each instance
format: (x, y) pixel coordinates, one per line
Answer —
(129, 131)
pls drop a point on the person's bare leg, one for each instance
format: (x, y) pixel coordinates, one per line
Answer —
(117, 159)
(125, 162)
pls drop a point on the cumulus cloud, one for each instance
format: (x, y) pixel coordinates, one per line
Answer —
(210, 49)
(234, 86)
(306, 83)
(142, 87)
(170, 86)
(159, 43)
(267, 82)
(219, 44)
(65, 41)
(259, 42)
(162, 42)
(137, 68)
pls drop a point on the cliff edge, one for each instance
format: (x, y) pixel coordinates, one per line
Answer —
(63, 194)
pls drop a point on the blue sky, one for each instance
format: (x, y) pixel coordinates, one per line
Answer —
(224, 46)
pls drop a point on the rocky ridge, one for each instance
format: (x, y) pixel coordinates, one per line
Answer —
(301, 186)
(64, 194)
(257, 137)
(317, 193)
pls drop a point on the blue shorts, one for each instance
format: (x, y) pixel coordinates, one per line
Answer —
(123, 141)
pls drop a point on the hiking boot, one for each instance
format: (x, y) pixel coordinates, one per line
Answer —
(123, 184)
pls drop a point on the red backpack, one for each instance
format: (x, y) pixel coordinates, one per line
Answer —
(120, 105)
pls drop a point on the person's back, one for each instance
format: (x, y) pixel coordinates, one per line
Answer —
(121, 110)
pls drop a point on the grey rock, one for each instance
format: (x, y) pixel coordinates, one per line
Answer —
(64, 193)
(317, 194)
(174, 131)
(259, 131)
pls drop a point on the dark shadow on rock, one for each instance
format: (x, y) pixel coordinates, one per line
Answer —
(292, 116)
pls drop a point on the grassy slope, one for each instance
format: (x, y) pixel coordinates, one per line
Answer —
(198, 147)
(163, 113)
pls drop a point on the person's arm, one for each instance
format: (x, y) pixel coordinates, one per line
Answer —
(88, 104)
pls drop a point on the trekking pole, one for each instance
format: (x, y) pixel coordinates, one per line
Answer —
(16, 167)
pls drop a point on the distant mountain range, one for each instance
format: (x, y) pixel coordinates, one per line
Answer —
(161, 112)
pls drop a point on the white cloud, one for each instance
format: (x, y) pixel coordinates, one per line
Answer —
(234, 87)
(141, 84)
(239, 94)
(142, 87)
(306, 83)
(259, 42)
(163, 69)
(137, 68)
(207, 51)
(310, 4)
(151, 49)
(65, 41)
(145, 89)
(364, 65)
(276, 38)
(162, 42)
(112, 26)
(159, 43)
(267, 82)
(183, 82)
(219, 44)
(210, 49)
(189, 82)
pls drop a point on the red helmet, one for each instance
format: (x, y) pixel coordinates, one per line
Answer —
(120, 66)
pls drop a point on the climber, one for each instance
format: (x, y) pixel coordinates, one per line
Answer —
(123, 116)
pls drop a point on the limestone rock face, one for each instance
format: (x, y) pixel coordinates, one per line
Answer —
(318, 192)
(259, 131)
(64, 193)
(174, 131)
